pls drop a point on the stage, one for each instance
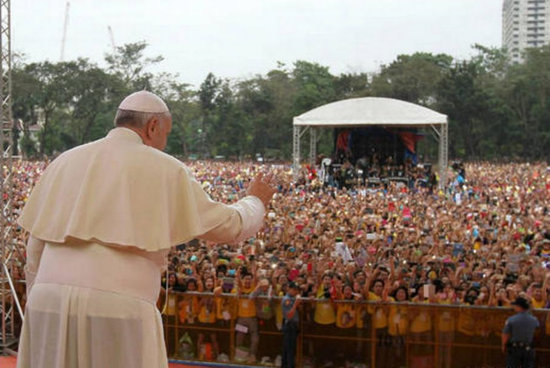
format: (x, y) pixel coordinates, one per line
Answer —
(11, 362)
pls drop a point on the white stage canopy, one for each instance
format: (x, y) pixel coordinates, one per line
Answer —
(379, 111)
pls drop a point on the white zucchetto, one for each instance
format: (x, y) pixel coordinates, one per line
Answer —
(144, 101)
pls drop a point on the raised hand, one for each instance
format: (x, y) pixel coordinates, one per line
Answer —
(262, 188)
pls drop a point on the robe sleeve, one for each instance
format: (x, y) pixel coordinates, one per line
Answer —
(245, 221)
(35, 247)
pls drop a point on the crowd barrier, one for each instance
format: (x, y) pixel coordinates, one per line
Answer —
(203, 327)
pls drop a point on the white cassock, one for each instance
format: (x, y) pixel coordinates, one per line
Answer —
(102, 219)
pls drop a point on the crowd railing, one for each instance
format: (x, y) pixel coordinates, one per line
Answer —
(204, 327)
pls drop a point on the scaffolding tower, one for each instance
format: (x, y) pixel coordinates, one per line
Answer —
(9, 249)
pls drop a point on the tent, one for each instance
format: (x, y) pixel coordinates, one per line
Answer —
(370, 111)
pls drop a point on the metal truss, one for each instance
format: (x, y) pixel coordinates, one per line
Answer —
(443, 155)
(297, 134)
(442, 136)
(295, 151)
(9, 249)
(312, 146)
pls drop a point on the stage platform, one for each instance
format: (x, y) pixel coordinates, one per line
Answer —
(11, 362)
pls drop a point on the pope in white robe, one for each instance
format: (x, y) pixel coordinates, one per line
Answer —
(102, 219)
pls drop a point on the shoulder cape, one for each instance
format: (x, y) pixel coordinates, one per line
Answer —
(117, 190)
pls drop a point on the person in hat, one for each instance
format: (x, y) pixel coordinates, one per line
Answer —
(517, 336)
(291, 320)
(102, 220)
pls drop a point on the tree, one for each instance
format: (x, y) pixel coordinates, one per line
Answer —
(185, 110)
(495, 109)
(73, 97)
(469, 94)
(527, 93)
(348, 85)
(49, 94)
(268, 103)
(314, 85)
(412, 78)
(225, 129)
(129, 63)
(94, 100)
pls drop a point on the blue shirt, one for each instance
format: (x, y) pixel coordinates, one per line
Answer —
(521, 327)
(288, 303)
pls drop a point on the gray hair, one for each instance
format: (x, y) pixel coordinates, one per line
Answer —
(136, 119)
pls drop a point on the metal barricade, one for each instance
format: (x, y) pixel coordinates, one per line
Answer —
(204, 327)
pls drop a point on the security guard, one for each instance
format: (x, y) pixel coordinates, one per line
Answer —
(517, 336)
(290, 325)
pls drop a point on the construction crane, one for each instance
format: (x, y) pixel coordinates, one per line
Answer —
(112, 38)
(62, 56)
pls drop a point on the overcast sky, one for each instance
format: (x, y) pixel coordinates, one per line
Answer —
(240, 38)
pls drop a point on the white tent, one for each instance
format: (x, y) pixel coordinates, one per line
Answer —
(356, 112)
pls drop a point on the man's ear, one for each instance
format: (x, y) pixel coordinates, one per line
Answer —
(151, 127)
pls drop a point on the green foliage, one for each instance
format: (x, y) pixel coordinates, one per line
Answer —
(350, 85)
(314, 85)
(412, 78)
(128, 63)
(495, 109)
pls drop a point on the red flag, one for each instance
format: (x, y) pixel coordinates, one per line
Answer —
(409, 139)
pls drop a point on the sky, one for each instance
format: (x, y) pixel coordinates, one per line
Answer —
(241, 38)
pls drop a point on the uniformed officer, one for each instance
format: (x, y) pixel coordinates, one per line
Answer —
(290, 325)
(517, 336)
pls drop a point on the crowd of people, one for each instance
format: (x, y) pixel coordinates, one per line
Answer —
(373, 171)
(482, 241)
(24, 176)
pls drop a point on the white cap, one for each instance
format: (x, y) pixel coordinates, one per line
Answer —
(143, 101)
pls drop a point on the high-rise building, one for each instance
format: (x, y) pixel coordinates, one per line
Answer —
(525, 24)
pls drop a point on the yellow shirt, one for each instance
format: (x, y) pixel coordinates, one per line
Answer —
(446, 320)
(207, 311)
(187, 309)
(225, 308)
(466, 323)
(397, 320)
(346, 315)
(278, 310)
(170, 308)
(379, 318)
(498, 320)
(246, 306)
(483, 322)
(422, 322)
(324, 311)
(537, 305)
